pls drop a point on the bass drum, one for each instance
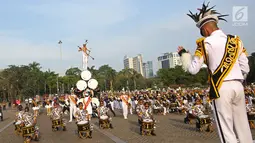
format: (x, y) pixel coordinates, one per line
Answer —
(81, 85)
(86, 75)
(92, 84)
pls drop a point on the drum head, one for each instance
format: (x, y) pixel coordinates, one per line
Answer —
(18, 122)
(92, 84)
(82, 122)
(147, 120)
(86, 75)
(204, 116)
(103, 117)
(81, 85)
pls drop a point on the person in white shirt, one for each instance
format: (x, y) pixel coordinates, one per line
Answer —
(125, 104)
(87, 104)
(227, 64)
(72, 100)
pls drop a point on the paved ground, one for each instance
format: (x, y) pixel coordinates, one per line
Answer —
(170, 129)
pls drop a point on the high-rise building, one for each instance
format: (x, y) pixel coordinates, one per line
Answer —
(169, 60)
(128, 62)
(135, 63)
(144, 69)
(148, 69)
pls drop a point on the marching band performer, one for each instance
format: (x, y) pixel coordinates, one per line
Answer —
(249, 107)
(63, 102)
(57, 113)
(250, 112)
(227, 64)
(103, 113)
(147, 114)
(82, 115)
(26, 101)
(19, 115)
(139, 109)
(87, 104)
(198, 109)
(30, 100)
(72, 99)
(109, 104)
(125, 104)
(28, 118)
(35, 108)
(158, 106)
(48, 107)
(66, 105)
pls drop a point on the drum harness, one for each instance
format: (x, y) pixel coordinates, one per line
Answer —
(27, 120)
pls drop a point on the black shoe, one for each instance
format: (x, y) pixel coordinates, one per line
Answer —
(153, 134)
(111, 126)
(90, 135)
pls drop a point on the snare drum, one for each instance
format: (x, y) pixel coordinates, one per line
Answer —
(103, 117)
(147, 124)
(173, 105)
(27, 131)
(18, 126)
(203, 116)
(57, 122)
(204, 120)
(18, 123)
(83, 126)
(147, 120)
(82, 122)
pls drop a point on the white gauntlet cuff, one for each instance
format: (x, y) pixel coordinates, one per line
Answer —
(186, 59)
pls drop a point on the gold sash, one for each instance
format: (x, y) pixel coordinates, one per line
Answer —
(72, 99)
(226, 64)
(124, 100)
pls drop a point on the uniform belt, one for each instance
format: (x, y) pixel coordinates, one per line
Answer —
(240, 80)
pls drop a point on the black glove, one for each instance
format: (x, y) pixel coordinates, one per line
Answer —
(182, 51)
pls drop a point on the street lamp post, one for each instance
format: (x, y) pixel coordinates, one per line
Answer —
(60, 48)
(57, 85)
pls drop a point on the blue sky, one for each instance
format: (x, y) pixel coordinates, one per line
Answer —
(30, 30)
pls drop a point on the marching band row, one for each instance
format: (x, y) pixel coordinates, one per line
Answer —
(82, 109)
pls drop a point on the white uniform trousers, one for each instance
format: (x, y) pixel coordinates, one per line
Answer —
(230, 114)
(125, 110)
(131, 109)
(72, 112)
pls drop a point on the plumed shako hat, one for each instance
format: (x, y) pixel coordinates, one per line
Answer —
(206, 15)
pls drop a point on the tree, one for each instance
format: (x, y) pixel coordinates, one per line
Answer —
(178, 76)
(108, 74)
(73, 71)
